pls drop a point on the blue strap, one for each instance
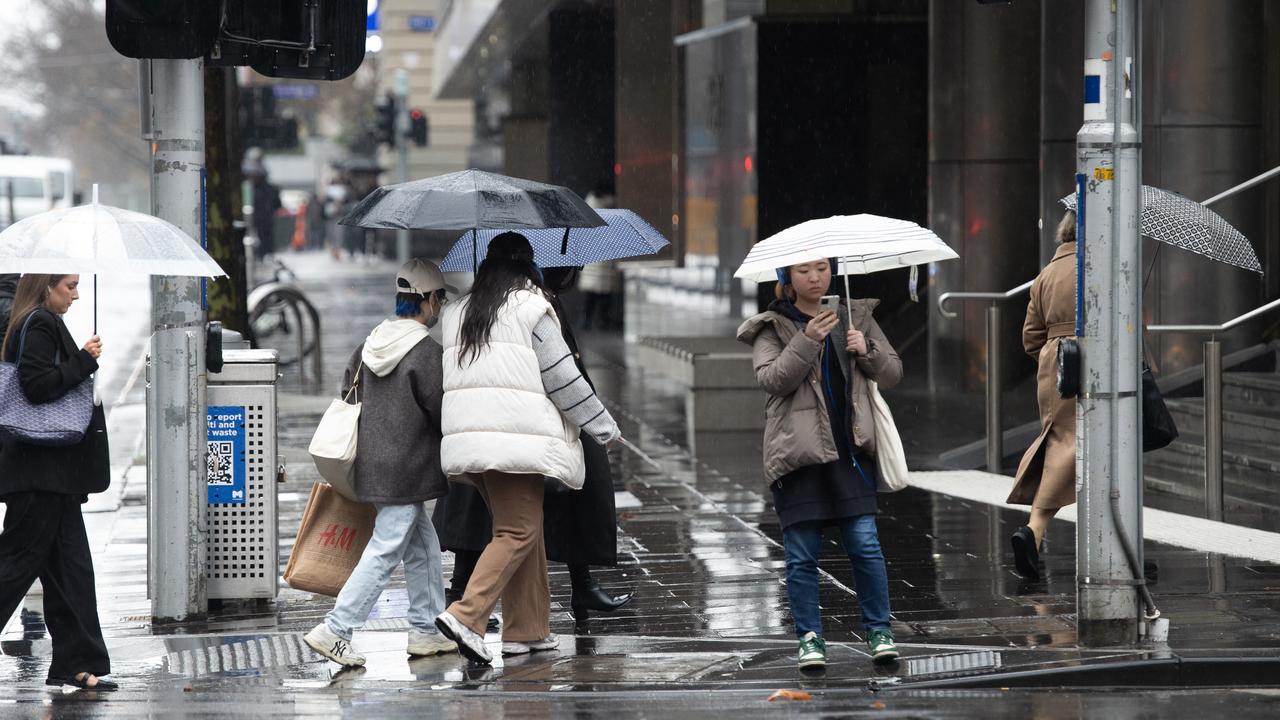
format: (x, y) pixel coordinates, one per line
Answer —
(829, 350)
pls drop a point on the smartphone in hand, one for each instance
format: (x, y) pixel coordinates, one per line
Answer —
(828, 302)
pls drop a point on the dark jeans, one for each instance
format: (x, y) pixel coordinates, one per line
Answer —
(802, 543)
(44, 537)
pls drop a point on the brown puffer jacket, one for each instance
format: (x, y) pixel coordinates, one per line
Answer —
(787, 363)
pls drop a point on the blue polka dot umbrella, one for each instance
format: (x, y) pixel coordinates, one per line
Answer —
(624, 235)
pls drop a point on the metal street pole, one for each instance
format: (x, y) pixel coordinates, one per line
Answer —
(402, 151)
(176, 436)
(1109, 326)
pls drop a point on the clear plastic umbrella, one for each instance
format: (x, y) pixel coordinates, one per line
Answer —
(98, 239)
(864, 244)
(1175, 220)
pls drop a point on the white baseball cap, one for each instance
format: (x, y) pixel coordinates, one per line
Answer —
(422, 277)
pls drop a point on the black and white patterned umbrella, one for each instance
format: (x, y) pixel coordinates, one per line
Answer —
(1183, 223)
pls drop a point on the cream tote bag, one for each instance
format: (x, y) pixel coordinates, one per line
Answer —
(891, 460)
(333, 447)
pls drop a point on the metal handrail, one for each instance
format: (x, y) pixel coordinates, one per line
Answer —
(1215, 329)
(995, 296)
(1214, 490)
(995, 365)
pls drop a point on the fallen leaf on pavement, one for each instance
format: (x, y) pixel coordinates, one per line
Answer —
(790, 695)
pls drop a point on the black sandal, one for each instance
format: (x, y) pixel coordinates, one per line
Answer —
(81, 680)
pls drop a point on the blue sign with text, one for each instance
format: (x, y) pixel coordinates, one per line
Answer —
(422, 23)
(226, 458)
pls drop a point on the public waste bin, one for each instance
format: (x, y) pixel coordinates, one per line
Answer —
(243, 517)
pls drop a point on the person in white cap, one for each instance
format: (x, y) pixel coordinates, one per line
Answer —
(397, 374)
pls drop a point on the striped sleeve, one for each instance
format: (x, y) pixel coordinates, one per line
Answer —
(566, 387)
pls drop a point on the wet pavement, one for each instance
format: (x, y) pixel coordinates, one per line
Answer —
(709, 629)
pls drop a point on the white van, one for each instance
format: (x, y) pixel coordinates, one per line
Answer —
(36, 184)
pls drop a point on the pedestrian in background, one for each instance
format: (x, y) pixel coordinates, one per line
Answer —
(397, 374)
(514, 406)
(580, 528)
(600, 283)
(43, 487)
(1046, 478)
(819, 444)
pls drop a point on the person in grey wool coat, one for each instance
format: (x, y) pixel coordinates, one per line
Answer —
(396, 373)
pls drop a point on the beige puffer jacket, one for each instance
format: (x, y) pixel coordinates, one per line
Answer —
(787, 364)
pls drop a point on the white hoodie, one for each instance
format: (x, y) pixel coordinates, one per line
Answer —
(387, 345)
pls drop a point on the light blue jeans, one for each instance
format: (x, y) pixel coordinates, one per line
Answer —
(400, 532)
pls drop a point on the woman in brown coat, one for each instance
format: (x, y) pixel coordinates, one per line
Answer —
(1046, 478)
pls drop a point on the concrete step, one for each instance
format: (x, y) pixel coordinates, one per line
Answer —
(1250, 424)
(1179, 497)
(1249, 486)
(1246, 461)
(1244, 390)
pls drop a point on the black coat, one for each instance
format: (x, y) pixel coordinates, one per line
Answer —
(580, 526)
(72, 470)
(8, 286)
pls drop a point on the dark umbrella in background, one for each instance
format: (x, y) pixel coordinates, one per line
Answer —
(1175, 220)
(472, 200)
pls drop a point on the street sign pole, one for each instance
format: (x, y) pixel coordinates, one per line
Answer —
(176, 433)
(402, 152)
(1109, 326)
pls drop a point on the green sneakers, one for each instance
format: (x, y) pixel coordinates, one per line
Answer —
(881, 644)
(813, 651)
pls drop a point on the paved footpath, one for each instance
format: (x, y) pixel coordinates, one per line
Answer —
(709, 630)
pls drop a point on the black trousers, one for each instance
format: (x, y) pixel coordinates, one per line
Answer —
(44, 538)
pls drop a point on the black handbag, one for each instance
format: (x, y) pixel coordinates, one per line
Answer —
(1158, 428)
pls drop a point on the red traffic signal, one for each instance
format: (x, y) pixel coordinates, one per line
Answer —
(418, 127)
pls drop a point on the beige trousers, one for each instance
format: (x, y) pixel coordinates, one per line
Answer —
(513, 566)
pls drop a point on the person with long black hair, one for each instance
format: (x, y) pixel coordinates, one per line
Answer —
(43, 486)
(580, 528)
(514, 405)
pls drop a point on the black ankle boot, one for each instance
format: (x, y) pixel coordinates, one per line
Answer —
(589, 596)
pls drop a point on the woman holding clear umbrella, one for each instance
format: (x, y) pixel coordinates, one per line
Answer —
(43, 487)
(820, 443)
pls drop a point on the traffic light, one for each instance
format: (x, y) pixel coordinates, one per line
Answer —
(418, 127)
(385, 121)
(302, 39)
(174, 29)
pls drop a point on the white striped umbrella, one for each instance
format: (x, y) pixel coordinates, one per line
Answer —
(863, 243)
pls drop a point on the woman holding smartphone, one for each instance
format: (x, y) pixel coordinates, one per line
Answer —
(819, 443)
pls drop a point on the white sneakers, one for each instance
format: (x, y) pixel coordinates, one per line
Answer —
(429, 643)
(514, 647)
(469, 643)
(327, 643)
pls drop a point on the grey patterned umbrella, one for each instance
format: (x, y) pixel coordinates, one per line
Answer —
(1183, 223)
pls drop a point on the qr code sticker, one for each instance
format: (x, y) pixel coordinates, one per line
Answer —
(221, 461)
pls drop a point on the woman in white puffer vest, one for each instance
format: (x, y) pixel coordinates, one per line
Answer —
(513, 405)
